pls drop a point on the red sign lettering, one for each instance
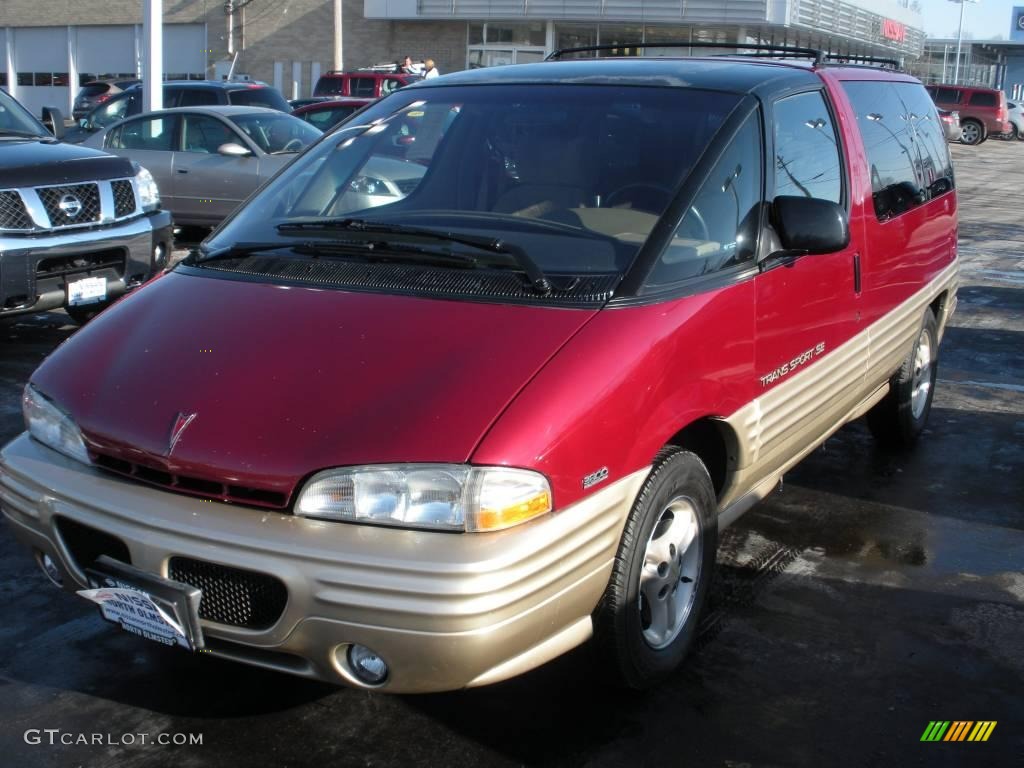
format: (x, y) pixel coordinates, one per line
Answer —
(894, 30)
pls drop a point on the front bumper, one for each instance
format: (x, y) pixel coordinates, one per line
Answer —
(445, 611)
(35, 269)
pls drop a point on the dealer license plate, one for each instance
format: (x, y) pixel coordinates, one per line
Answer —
(149, 606)
(88, 290)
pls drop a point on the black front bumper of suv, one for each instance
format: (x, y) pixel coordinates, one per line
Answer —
(35, 269)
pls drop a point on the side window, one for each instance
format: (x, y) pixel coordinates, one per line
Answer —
(720, 228)
(389, 84)
(984, 99)
(113, 139)
(152, 133)
(111, 113)
(363, 87)
(203, 134)
(947, 96)
(807, 162)
(196, 97)
(898, 127)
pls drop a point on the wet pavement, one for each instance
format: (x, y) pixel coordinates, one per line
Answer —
(873, 593)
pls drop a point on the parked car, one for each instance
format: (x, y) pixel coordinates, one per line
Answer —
(207, 160)
(982, 110)
(78, 228)
(950, 124)
(363, 84)
(1015, 117)
(326, 114)
(184, 93)
(431, 440)
(97, 92)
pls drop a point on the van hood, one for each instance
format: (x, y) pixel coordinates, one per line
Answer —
(284, 381)
(38, 162)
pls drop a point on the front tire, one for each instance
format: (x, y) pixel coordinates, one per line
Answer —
(648, 617)
(898, 419)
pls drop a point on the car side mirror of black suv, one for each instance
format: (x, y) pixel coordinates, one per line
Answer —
(809, 225)
(53, 121)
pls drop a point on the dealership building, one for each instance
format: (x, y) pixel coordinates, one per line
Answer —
(45, 55)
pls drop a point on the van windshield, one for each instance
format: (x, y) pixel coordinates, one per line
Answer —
(536, 166)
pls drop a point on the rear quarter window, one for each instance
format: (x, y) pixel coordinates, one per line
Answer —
(907, 154)
(984, 99)
(259, 97)
(946, 95)
(363, 87)
(329, 86)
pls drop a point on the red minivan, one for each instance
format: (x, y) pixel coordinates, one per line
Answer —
(423, 415)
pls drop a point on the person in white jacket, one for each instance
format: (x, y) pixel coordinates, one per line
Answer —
(429, 70)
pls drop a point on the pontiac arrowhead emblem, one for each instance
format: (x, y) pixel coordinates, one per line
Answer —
(182, 421)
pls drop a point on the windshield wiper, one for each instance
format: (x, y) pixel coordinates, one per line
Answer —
(519, 257)
(365, 250)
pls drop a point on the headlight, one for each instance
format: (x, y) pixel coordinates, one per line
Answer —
(149, 195)
(445, 497)
(51, 426)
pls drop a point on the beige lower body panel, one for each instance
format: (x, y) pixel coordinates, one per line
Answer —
(444, 610)
(775, 431)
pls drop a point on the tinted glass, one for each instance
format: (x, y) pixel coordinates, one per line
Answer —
(276, 133)
(907, 155)
(256, 96)
(15, 118)
(325, 118)
(204, 134)
(93, 89)
(329, 86)
(151, 133)
(807, 160)
(577, 176)
(720, 229)
(947, 96)
(197, 97)
(362, 87)
(118, 108)
(984, 99)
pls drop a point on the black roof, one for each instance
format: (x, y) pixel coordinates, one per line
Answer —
(732, 74)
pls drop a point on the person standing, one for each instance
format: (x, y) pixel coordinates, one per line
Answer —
(411, 69)
(429, 70)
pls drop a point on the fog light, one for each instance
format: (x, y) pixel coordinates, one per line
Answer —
(366, 665)
(50, 568)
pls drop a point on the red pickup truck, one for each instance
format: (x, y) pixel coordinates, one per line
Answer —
(423, 415)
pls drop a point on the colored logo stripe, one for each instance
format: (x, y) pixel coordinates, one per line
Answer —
(958, 730)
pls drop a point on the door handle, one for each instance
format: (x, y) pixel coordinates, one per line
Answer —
(182, 170)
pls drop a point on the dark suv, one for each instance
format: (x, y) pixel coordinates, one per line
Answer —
(363, 84)
(97, 92)
(186, 93)
(78, 227)
(982, 110)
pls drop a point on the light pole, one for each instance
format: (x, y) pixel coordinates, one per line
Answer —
(959, 39)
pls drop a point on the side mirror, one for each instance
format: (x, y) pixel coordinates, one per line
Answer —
(810, 225)
(53, 121)
(233, 149)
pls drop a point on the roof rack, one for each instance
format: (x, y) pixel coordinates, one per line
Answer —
(857, 58)
(788, 51)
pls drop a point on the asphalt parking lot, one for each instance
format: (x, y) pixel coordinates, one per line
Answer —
(872, 594)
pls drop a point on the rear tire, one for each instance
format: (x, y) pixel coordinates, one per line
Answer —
(898, 420)
(650, 611)
(972, 132)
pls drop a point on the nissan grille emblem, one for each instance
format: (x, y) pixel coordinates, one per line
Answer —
(70, 205)
(180, 423)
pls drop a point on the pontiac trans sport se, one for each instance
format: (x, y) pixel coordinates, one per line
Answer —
(484, 371)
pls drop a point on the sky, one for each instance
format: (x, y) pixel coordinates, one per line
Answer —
(983, 20)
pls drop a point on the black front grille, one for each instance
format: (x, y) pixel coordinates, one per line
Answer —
(12, 211)
(124, 197)
(82, 264)
(193, 486)
(81, 204)
(232, 596)
(85, 543)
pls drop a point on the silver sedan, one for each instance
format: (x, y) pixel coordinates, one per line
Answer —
(207, 160)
